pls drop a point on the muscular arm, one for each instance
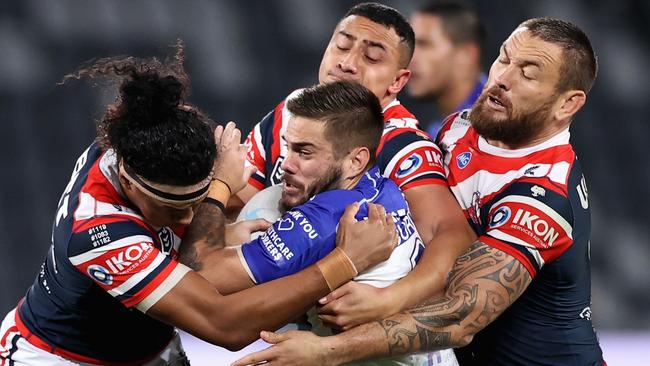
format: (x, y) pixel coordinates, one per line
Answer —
(234, 321)
(446, 234)
(439, 220)
(203, 251)
(483, 283)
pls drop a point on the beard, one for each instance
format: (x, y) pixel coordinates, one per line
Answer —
(327, 182)
(517, 128)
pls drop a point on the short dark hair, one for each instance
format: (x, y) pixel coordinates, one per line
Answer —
(149, 126)
(391, 18)
(579, 64)
(351, 113)
(460, 21)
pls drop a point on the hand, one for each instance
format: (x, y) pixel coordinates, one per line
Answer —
(366, 242)
(353, 304)
(293, 348)
(229, 165)
(240, 232)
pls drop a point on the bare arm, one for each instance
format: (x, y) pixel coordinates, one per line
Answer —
(235, 320)
(441, 223)
(483, 283)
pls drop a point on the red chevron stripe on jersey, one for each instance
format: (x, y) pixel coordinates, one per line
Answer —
(504, 193)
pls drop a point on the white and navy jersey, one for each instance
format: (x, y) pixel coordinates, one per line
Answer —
(105, 268)
(307, 233)
(405, 154)
(532, 204)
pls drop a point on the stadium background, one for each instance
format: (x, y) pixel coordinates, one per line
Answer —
(245, 56)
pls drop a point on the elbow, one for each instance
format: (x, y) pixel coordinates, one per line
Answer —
(462, 339)
(235, 341)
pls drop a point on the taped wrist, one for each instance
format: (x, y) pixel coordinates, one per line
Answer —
(337, 268)
(219, 191)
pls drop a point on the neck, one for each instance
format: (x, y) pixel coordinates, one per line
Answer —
(387, 99)
(540, 138)
(453, 97)
(352, 182)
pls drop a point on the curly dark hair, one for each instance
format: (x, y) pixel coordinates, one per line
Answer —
(149, 126)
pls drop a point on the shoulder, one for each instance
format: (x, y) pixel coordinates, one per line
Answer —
(453, 127)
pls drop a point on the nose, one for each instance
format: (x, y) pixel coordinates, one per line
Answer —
(349, 62)
(504, 78)
(288, 163)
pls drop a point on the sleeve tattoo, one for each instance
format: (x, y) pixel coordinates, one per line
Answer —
(205, 233)
(482, 284)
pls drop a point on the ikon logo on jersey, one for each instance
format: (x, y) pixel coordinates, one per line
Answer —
(529, 224)
(124, 261)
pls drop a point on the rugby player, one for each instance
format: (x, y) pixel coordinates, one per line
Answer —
(111, 288)
(373, 45)
(324, 172)
(446, 64)
(521, 294)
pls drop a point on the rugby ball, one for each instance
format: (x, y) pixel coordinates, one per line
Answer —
(263, 205)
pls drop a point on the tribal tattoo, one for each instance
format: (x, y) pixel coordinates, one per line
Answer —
(206, 232)
(482, 284)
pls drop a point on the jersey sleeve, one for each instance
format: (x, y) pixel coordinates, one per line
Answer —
(292, 243)
(256, 151)
(532, 223)
(298, 239)
(122, 259)
(409, 158)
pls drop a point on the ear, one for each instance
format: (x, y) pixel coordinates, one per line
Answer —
(569, 104)
(357, 161)
(125, 183)
(403, 76)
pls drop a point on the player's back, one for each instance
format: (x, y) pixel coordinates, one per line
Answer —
(80, 303)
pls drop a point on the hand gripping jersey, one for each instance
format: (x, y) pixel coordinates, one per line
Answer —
(307, 233)
(405, 154)
(532, 204)
(104, 261)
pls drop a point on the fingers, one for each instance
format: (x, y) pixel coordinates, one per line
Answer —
(272, 337)
(255, 358)
(336, 294)
(218, 132)
(248, 171)
(350, 212)
(376, 213)
(392, 230)
(258, 225)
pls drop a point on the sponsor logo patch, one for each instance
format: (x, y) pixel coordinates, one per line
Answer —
(100, 274)
(500, 216)
(538, 191)
(408, 166)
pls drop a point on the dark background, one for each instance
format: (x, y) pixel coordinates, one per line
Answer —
(245, 56)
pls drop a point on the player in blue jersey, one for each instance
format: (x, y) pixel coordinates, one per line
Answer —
(521, 294)
(115, 280)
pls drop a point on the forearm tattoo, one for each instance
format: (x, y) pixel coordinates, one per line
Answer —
(482, 284)
(206, 230)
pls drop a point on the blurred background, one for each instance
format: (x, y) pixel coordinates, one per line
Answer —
(245, 56)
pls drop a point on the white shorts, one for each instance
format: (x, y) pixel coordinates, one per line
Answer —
(15, 348)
